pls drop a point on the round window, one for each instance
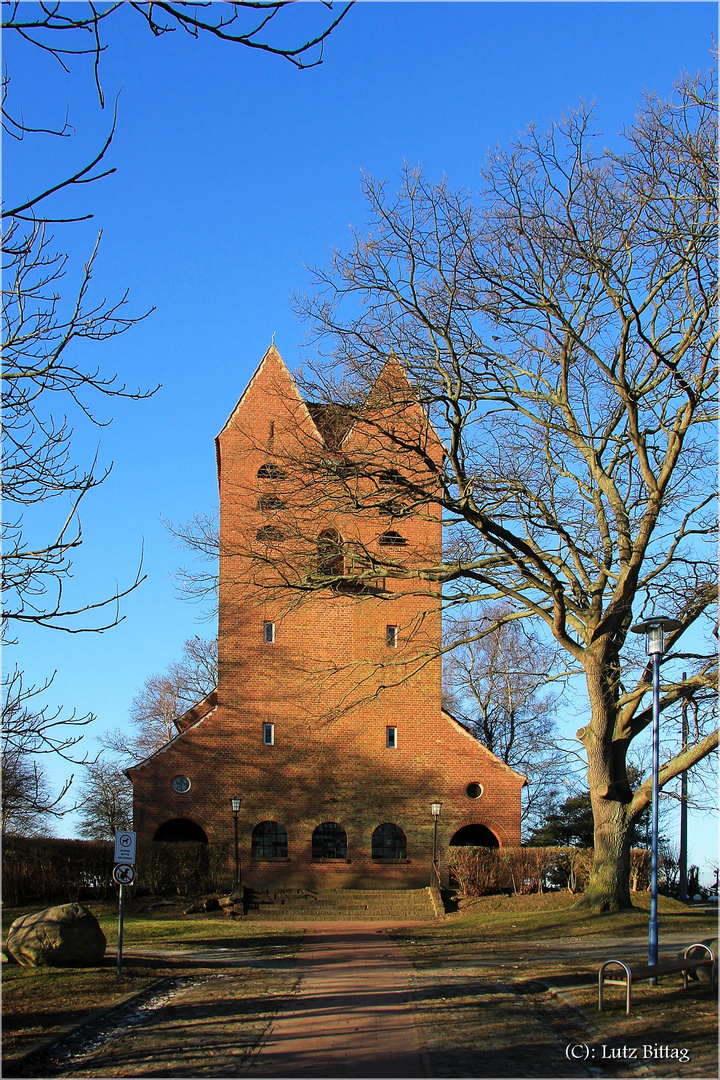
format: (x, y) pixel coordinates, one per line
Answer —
(180, 784)
(474, 791)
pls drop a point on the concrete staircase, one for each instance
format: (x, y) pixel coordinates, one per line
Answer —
(297, 905)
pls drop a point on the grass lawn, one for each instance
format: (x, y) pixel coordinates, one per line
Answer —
(549, 916)
(164, 925)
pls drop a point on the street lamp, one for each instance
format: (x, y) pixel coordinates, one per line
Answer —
(435, 808)
(654, 629)
(235, 804)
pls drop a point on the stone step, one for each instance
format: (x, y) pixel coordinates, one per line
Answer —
(294, 905)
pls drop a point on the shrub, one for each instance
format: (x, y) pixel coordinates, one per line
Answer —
(50, 870)
(480, 871)
(40, 869)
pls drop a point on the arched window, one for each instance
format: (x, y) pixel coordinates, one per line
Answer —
(329, 841)
(330, 560)
(392, 539)
(474, 836)
(180, 830)
(270, 471)
(389, 842)
(270, 502)
(269, 841)
(270, 534)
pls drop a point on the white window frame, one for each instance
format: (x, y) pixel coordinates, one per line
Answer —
(391, 636)
(269, 632)
(268, 734)
(391, 739)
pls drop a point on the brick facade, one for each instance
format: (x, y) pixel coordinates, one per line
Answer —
(310, 683)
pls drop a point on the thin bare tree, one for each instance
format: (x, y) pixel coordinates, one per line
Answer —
(106, 805)
(31, 730)
(498, 686)
(265, 25)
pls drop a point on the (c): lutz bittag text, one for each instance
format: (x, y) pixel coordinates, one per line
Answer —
(644, 1052)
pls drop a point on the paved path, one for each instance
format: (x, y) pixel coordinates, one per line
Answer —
(353, 1015)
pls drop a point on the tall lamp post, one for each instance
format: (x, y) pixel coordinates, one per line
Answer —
(654, 630)
(435, 808)
(235, 804)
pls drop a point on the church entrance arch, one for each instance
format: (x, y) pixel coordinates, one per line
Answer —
(474, 836)
(179, 830)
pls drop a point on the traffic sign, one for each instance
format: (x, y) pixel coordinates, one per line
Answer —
(124, 846)
(124, 874)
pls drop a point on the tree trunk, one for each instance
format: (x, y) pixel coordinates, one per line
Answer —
(610, 794)
(609, 885)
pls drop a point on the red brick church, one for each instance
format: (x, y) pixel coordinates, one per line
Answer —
(327, 719)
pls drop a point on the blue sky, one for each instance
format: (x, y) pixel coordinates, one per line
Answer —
(234, 172)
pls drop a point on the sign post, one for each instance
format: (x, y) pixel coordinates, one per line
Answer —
(123, 874)
(120, 929)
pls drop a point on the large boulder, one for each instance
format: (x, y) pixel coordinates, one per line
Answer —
(65, 936)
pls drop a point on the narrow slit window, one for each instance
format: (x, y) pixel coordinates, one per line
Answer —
(269, 633)
(268, 734)
(391, 738)
(391, 636)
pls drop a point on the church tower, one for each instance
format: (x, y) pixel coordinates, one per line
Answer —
(327, 718)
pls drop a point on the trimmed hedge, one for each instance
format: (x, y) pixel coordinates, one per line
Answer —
(50, 870)
(480, 871)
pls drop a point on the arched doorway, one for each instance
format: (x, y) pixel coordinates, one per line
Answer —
(474, 836)
(180, 830)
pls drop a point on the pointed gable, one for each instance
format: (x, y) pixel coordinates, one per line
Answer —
(392, 408)
(270, 398)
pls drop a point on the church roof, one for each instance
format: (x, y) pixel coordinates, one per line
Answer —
(197, 712)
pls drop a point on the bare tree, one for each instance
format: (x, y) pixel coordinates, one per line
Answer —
(44, 382)
(47, 385)
(498, 687)
(106, 804)
(537, 366)
(164, 698)
(31, 730)
(63, 32)
(42, 328)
